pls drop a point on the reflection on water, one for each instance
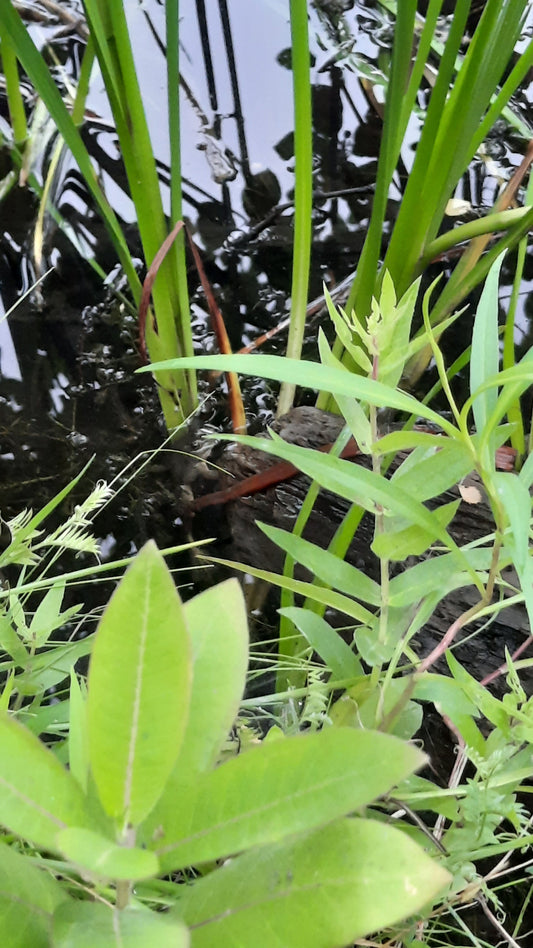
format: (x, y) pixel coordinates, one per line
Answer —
(66, 367)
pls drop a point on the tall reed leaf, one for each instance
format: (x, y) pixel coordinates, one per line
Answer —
(303, 153)
(168, 330)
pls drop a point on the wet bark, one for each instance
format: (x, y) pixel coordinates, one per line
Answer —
(483, 645)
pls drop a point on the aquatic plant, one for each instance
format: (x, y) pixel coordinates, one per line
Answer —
(470, 92)
(168, 328)
(384, 617)
(268, 830)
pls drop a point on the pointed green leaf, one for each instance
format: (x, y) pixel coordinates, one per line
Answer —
(426, 474)
(78, 738)
(138, 689)
(356, 484)
(38, 796)
(280, 788)
(325, 565)
(218, 628)
(327, 597)
(326, 888)
(48, 615)
(440, 573)
(94, 925)
(104, 858)
(485, 347)
(399, 544)
(326, 641)
(28, 897)
(516, 501)
(311, 375)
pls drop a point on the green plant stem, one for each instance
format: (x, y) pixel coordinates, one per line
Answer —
(303, 196)
(177, 253)
(514, 413)
(12, 26)
(15, 101)
(82, 91)
(402, 90)
(490, 224)
(123, 894)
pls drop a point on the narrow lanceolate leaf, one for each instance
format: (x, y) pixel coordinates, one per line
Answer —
(324, 889)
(94, 925)
(38, 797)
(139, 687)
(218, 627)
(326, 641)
(326, 566)
(28, 897)
(104, 858)
(311, 375)
(485, 355)
(278, 789)
(356, 484)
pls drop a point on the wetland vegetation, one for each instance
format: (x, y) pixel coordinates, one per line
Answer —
(175, 769)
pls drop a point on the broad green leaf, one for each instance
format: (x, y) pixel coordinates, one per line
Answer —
(95, 925)
(218, 628)
(445, 693)
(327, 888)
(138, 689)
(311, 375)
(326, 641)
(101, 856)
(326, 566)
(485, 354)
(38, 797)
(28, 897)
(277, 789)
(372, 649)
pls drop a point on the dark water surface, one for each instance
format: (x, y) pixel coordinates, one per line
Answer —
(68, 353)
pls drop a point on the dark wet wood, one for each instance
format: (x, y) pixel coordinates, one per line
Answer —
(240, 539)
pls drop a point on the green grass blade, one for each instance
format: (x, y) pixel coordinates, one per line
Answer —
(451, 130)
(177, 253)
(35, 66)
(303, 194)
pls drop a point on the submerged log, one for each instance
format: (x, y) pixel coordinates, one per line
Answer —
(482, 645)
